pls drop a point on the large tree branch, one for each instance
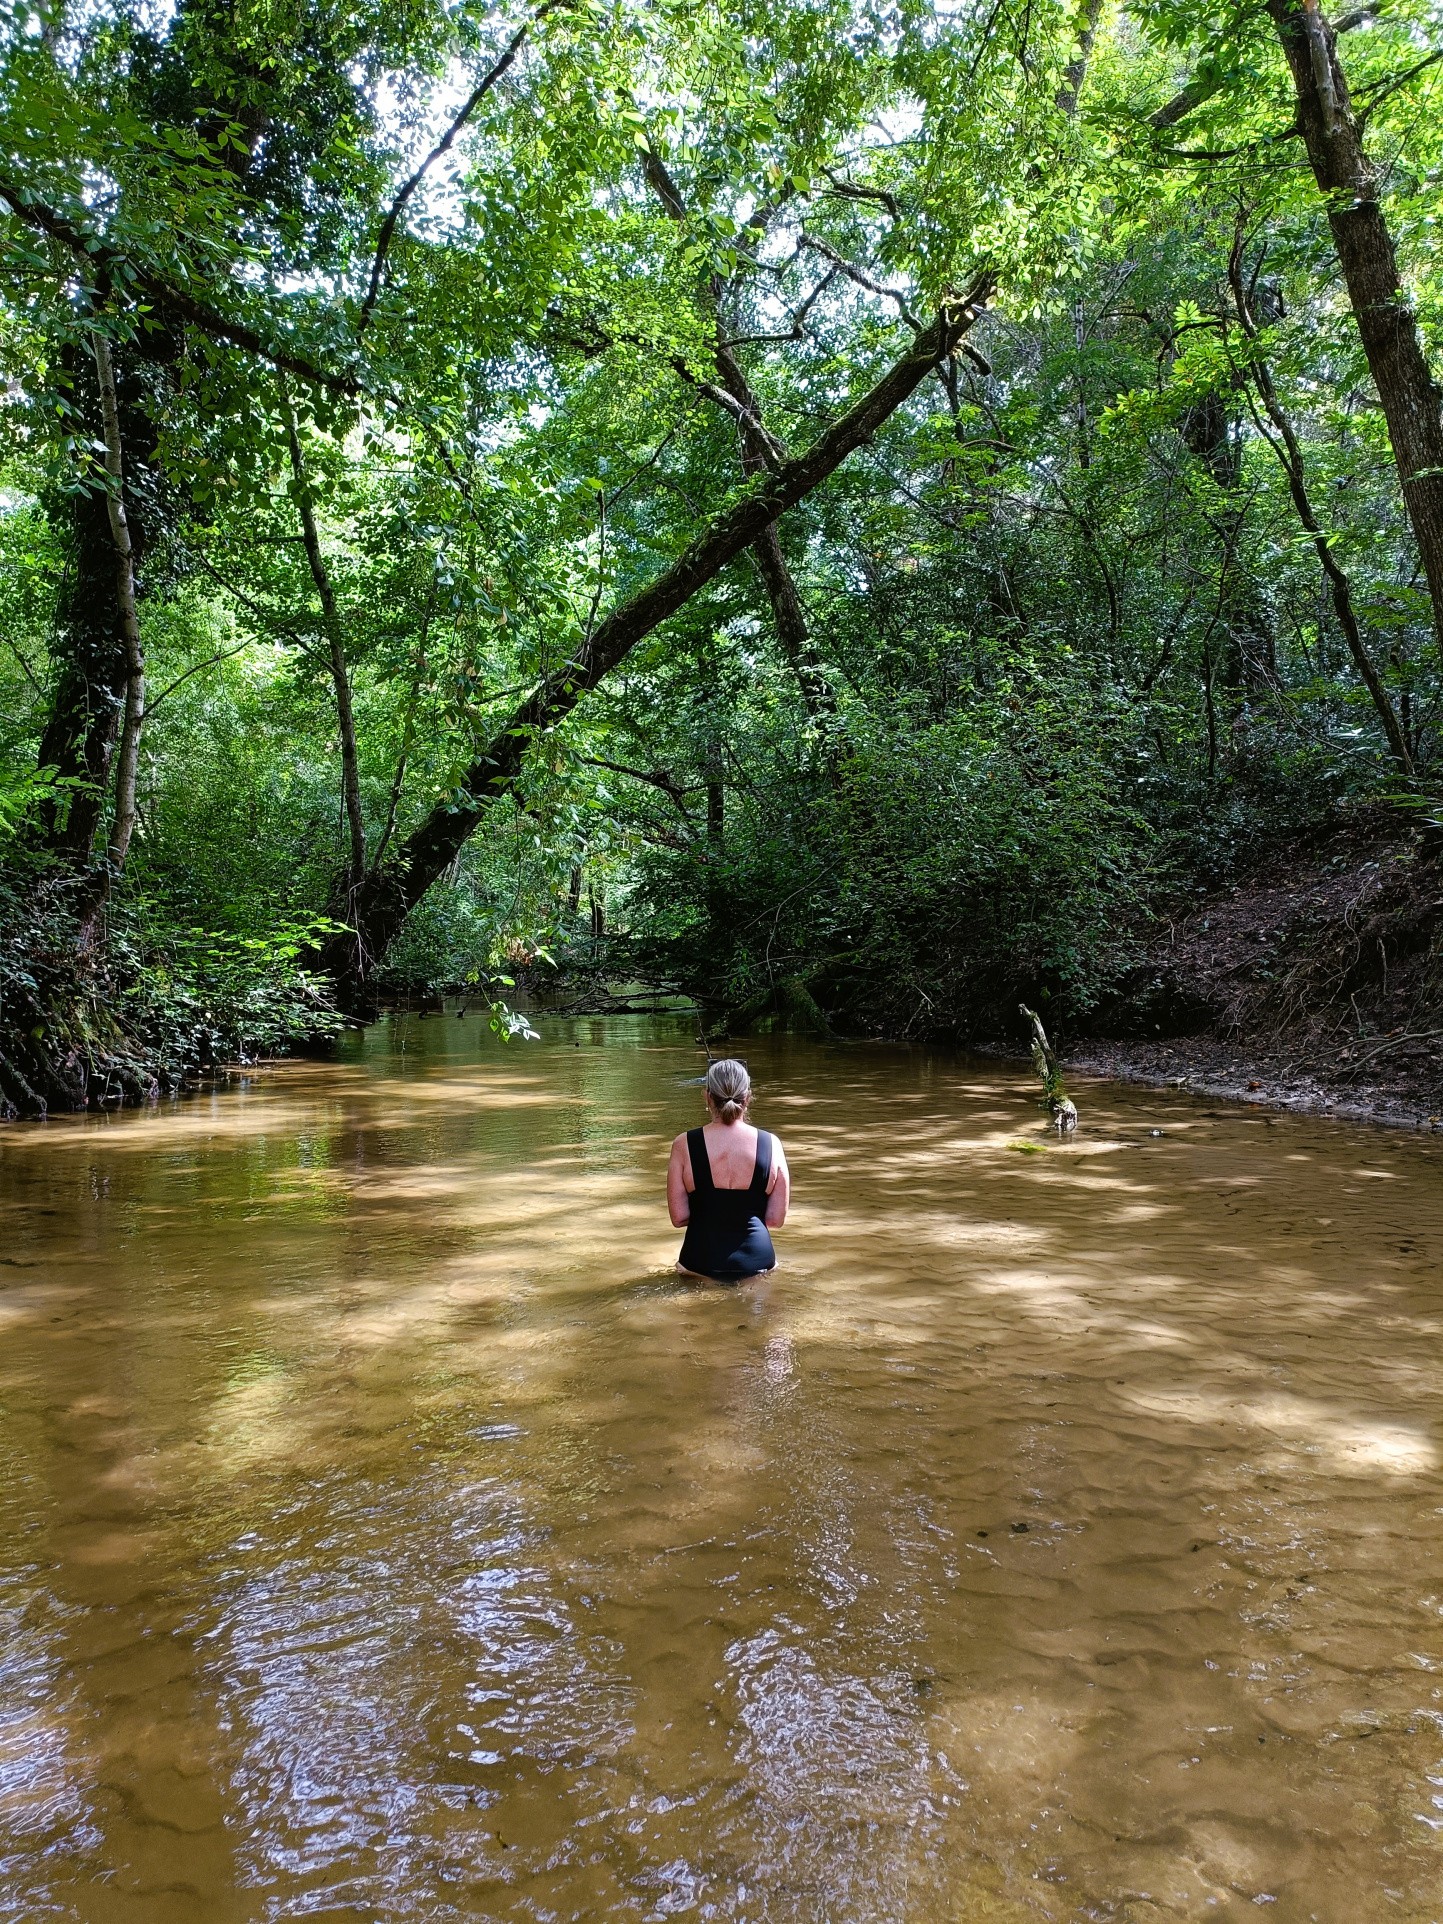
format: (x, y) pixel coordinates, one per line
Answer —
(659, 180)
(384, 902)
(1195, 93)
(111, 264)
(851, 190)
(1204, 87)
(443, 146)
(1075, 71)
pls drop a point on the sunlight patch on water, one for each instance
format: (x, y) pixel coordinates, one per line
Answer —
(1351, 1447)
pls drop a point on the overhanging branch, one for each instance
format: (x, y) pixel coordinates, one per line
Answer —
(443, 146)
(382, 906)
(113, 264)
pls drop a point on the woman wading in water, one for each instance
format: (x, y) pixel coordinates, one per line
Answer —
(727, 1184)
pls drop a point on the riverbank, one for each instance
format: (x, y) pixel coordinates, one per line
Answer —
(119, 1015)
(1314, 984)
(1209, 1066)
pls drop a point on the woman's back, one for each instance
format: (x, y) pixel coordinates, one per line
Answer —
(731, 1150)
(726, 1234)
(727, 1183)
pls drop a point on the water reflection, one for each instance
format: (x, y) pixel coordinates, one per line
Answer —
(389, 1533)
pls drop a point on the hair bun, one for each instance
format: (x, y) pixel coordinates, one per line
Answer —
(730, 1087)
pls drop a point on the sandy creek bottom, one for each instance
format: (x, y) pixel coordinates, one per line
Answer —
(387, 1535)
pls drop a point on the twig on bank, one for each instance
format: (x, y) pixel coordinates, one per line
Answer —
(1393, 1042)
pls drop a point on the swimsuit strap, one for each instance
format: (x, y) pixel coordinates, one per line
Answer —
(762, 1173)
(701, 1175)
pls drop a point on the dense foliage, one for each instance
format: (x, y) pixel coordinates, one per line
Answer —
(845, 511)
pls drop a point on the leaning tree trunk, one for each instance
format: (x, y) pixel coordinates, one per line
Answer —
(1412, 404)
(759, 450)
(380, 906)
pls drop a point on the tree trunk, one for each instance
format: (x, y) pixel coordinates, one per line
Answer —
(1290, 456)
(1075, 71)
(79, 737)
(89, 705)
(716, 838)
(335, 641)
(382, 903)
(791, 626)
(1412, 405)
(128, 766)
(716, 803)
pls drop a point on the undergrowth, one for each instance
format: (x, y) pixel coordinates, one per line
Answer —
(142, 1006)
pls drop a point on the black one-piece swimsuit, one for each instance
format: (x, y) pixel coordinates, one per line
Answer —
(726, 1237)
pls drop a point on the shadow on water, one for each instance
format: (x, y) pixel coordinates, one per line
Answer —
(390, 1531)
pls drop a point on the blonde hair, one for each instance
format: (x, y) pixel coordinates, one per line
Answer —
(730, 1088)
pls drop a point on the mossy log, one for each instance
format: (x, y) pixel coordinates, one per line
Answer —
(789, 1003)
(1055, 1098)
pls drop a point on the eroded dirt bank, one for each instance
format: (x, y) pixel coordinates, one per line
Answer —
(1316, 983)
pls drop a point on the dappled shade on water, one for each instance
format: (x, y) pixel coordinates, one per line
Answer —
(389, 1533)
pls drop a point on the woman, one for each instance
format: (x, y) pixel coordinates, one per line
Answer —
(728, 1184)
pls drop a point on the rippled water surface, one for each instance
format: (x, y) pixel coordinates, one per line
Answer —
(387, 1535)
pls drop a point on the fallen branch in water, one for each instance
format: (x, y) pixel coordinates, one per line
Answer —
(1055, 1098)
(656, 1001)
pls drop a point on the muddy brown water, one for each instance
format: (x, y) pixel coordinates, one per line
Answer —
(387, 1535)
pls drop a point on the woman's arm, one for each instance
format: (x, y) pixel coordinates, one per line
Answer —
(779, 1187)
(678, 1173)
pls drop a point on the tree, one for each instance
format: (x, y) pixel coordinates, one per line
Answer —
(437, 840)
(458, 357)
(1334, 136)
(1348, 179)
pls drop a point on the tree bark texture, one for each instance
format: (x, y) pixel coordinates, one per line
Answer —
(1412, 404)
(1075, 71)
(383, 902)
(791, 625)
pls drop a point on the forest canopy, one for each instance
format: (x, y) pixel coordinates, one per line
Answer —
(849, 512)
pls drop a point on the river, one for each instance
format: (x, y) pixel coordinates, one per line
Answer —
(386, 1534)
